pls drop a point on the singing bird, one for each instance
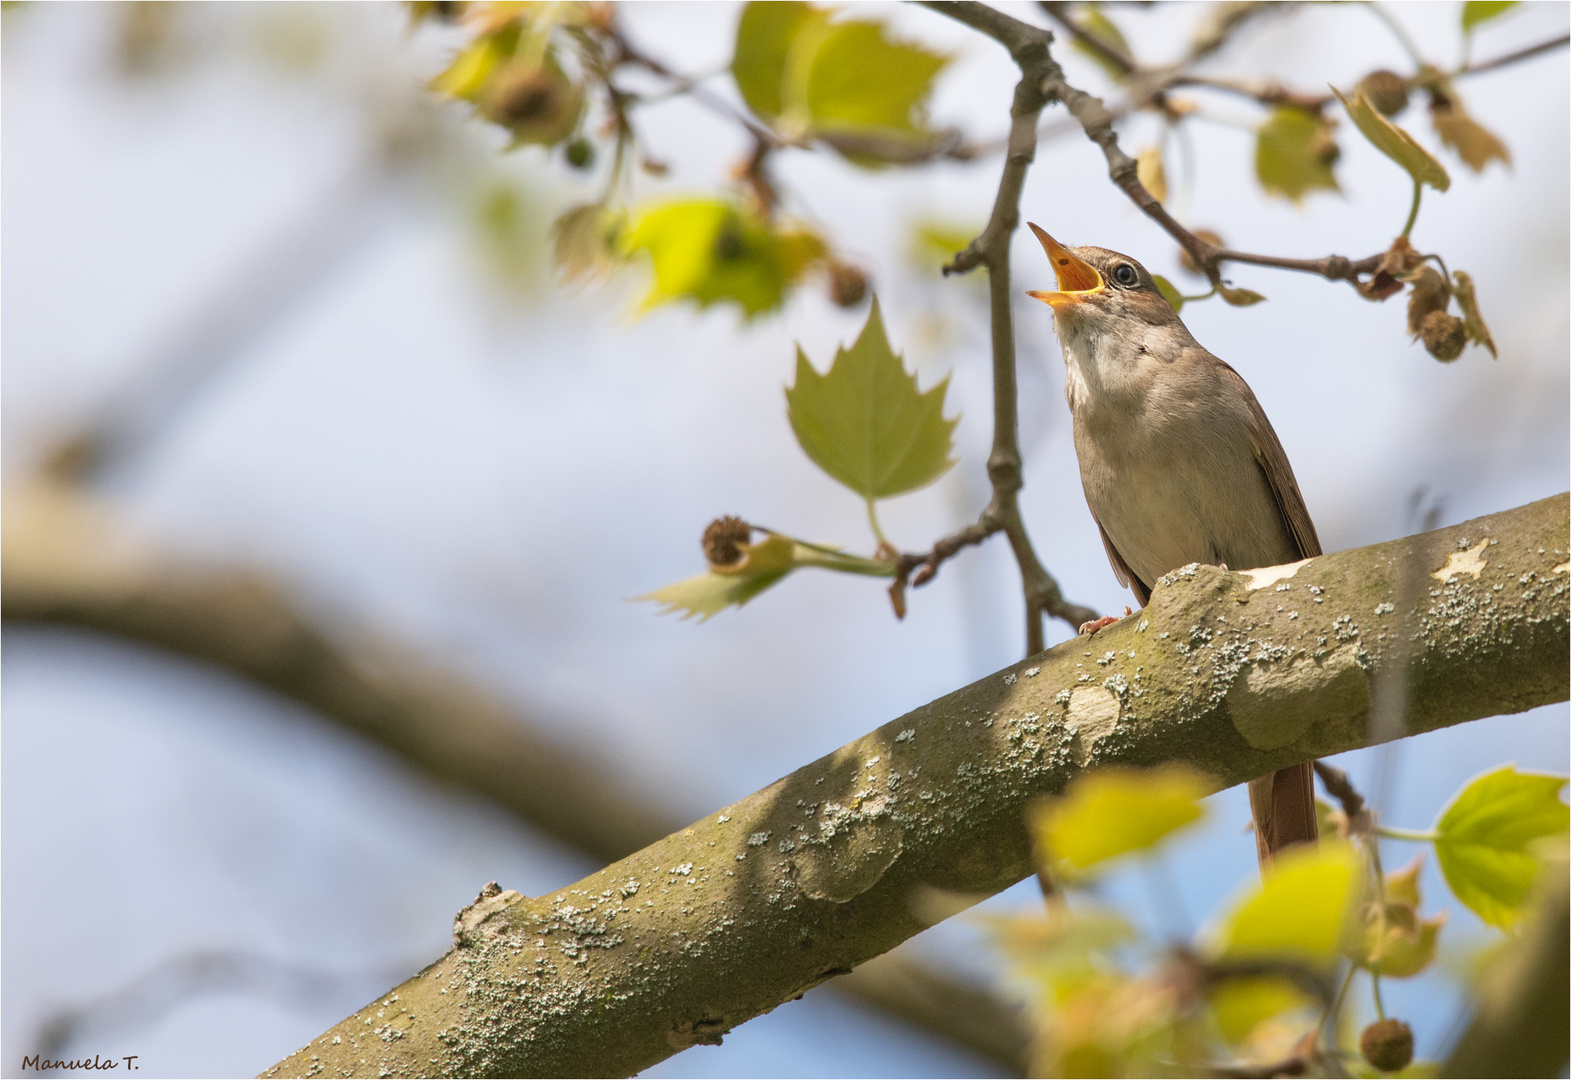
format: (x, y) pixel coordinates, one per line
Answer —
(1178, 461)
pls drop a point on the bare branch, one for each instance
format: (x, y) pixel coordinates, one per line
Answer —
(1028, 45)
(815, 874)
(66, 564)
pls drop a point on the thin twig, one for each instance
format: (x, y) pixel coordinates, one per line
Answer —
(1028, 46)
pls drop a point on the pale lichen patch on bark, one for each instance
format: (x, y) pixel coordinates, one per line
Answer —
(1093, 714)
(1269, 575)
(1471, 561)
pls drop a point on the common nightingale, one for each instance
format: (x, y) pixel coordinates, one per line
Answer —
(1178, 461)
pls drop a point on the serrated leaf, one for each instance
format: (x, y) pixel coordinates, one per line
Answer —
(1395, 941)
(1153, 177)
(1169, 292)
(709, 594)
(712, 251)
(1485, 839)
(1294, 153)
(1299, 912)
(1394, 142)
(1467, 302)
(1475, 12)
(1471, 141)
(1111, 812)
(865, 423)
(1239, 297)
(764, 37)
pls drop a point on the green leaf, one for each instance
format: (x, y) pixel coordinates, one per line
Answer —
(713, 251)
(935, 243)
(1061, 953)
(1239, 297)
(1241, 1005)
(1300, 910)
(764, 37)
(709, 594)
(1169, 292)
(1095, 22)
(1294, 153)
(860, 78)
(1485, 840)
(1475, 12)
(471, 69)
(1111, 812)
(1467, 301)
(865, 423)
(1394, 142)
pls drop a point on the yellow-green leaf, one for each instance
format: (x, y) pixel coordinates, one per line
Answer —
(1239, 297)
(1294, 153)
(1169, 292)
(1299, 912)
(1394, 142)
(856, 80)
(865, 423)
(1241, 1005)
(1471, 141)
(471, 69)
(1467, 301)
(1394, 941)
(1111, 812)
(1481, 11)
(584, 242)
(712, 251)
(1062, 952)
(764, 37)
(1153, 177)
(935, 243)
(1094, 21)
(1485, 840)
(761, 565)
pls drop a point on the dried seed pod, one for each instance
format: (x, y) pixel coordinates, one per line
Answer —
(1444, 335)
(1386, 91)
(1387, 1045)
(723, 539)
(1427, 292)
(847, 284)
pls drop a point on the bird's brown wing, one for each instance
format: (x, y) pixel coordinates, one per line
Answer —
(1273, 463)
(1121, 569)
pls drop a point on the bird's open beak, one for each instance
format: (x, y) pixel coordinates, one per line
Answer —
(1077, 279)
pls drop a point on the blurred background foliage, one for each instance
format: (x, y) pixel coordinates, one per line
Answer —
(452, 324)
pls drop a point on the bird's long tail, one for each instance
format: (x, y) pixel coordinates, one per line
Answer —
(1283, 806)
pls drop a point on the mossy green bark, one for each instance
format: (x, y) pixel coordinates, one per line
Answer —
(1237, 673)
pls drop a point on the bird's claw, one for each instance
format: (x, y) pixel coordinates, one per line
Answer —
(1087, 629)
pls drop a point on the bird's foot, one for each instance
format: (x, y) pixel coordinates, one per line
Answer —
(1087, 629)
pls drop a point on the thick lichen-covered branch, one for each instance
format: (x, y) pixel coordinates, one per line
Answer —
(68, 563)
(1238, 674)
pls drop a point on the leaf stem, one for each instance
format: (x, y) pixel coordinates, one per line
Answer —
(872, 519)
(1417, 836)
(1374, 985)
(1412, 215)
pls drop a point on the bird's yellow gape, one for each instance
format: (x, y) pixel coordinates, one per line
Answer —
(1077, 278)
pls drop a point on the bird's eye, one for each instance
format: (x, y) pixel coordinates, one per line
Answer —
(1125, 274)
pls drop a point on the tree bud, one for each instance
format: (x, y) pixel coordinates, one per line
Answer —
(1386, 91)
(1444, 335)
(1387, 1045)
(723, 539)
(847, 284)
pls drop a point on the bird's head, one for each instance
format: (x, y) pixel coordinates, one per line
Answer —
(1101, 287)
